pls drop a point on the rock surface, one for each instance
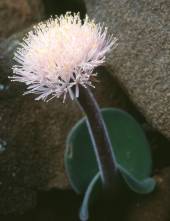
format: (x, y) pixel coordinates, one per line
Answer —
(141, 62)
(18, 14)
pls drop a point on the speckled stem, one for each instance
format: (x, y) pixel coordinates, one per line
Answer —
(99, 135)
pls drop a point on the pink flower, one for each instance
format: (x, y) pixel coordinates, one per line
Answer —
(59, 54)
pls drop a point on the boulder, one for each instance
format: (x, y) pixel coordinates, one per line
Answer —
(141, 62)
(18, 14)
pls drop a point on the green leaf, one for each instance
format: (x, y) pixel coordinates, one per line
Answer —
(144, 186)
(80, 161)
(84, 210)
(129, 144)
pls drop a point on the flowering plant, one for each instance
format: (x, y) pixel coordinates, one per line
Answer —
(58, 57)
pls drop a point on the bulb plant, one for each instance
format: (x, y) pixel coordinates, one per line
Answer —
(57, 59)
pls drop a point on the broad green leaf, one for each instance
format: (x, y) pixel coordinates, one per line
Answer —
(129, 144)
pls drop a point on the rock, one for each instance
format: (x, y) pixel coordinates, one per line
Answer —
(33, 135)
(18, 14)
(141, 62)
(156, 205)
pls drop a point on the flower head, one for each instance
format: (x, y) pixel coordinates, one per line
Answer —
(60, 54)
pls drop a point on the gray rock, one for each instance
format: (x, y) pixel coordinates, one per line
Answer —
(19, 14)
(141, 61)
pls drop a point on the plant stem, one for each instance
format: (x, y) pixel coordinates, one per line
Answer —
(99, 136)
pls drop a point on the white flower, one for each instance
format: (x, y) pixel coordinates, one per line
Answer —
(60, 54)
